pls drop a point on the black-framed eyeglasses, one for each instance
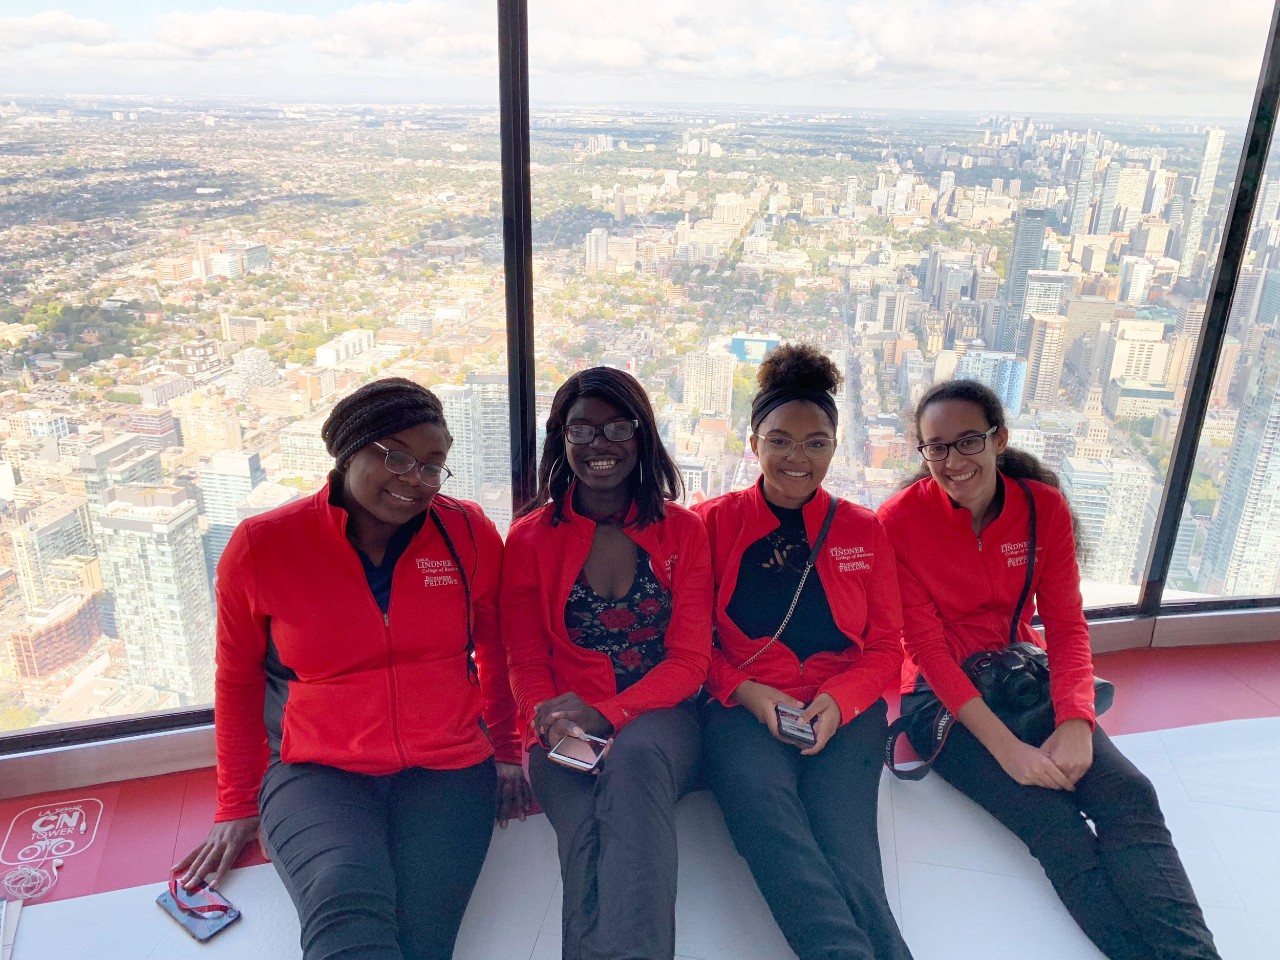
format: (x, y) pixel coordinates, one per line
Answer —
(615, 430)
(970, 446)
(815, 448)
(399, 463)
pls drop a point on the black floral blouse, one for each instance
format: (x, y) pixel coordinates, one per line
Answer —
(630, 630)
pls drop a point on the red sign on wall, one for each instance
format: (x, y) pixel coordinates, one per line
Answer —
(51, 830)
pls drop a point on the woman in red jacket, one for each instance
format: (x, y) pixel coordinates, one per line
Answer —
(357, 652)
(606, 613)
(822, 639)
(962, 537)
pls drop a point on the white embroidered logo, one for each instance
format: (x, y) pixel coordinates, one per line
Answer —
(437, 573)
(851, 559)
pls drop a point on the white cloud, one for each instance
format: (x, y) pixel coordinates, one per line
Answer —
(1159, 53)
(54, 26)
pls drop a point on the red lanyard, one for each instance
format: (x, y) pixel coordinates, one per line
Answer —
(211, 909)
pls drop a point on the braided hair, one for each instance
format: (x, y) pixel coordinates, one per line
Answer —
(378, 409)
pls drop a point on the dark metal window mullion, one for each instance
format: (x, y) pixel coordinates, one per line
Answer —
(1253, 160)
(517, 241)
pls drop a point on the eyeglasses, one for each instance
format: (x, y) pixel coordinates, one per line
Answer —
(815, 448)
(399, 463)
(970, 446)
(617, 431)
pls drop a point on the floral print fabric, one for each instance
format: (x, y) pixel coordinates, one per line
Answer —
(631, 630)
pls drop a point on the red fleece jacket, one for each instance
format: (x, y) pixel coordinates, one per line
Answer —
(352, 688)
(959, 590)
(543, 561)
(857, 570)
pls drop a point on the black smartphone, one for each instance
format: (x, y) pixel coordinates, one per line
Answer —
(202, 912)
(580, 753)
(791, 725)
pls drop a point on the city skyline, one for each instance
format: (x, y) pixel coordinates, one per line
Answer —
(1183, 59)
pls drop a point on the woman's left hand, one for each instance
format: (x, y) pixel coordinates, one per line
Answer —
(570, 707)
(514, 793)
(827, 713)
(1070, 747)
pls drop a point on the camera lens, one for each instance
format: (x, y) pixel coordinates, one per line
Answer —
(1021, 689)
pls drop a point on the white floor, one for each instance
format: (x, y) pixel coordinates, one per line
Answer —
(961, 886)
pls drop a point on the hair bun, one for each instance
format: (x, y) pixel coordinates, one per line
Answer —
(798, 366)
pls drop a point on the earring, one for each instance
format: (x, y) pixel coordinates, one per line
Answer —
(554, 464)
(640, 467)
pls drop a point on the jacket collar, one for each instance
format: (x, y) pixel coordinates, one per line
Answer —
(570, 514)
(762, 520)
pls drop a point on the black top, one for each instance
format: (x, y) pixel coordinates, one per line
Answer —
(767, 580)
(379, 575)
(631, 630)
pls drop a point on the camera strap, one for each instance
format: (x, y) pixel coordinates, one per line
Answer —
(944, 719)
(808, 566)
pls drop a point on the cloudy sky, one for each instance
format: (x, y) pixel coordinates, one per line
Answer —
(1181, 57)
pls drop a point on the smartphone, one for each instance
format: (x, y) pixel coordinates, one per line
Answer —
(791, 725)
(202, 912)
(580, 753)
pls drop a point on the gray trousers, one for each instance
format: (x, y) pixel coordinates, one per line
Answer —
(616, 835)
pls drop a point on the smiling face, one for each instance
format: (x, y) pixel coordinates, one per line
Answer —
(602, 466)
(378, 500)
(791, 478)
(969, 480)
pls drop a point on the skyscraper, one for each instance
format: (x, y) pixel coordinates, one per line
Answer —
(1242, 554)
(225, 481)
(464, 414)
(1044, 361)
(708, 381)
(152, 558)
(1109, 498)
(54, 531)
(1028, 239)
(1194, 230)
(1082, 196)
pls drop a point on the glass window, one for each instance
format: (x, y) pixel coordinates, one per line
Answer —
(213, 223)
(925, 192)
(1228, 542)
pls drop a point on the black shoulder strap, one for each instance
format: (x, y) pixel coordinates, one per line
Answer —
(1031, 560)
(472, 673)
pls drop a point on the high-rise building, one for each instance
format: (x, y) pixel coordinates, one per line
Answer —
(1028, 240)
(1105, 215)
(225, 481)
(153, 561)
(465, 415)
(708, 382)
(53, 531)
(1242, 553)
(1109, 498)
(1047, 291)
(155, 427)
(1082, 195)
(597, 249)
(1002, 372)
(495, 444)
(1135, 279)
(1045, 357)
(1136, 348)
(208, 421)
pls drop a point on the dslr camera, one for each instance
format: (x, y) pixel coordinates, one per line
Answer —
(1014, 678)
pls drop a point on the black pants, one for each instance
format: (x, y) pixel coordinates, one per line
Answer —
(616, 834)
(807, 828)
(379, 868)
(1125, 884)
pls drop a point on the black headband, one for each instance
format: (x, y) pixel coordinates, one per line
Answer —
(766, 401)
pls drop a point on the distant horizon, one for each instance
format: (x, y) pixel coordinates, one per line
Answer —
(850, 112)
